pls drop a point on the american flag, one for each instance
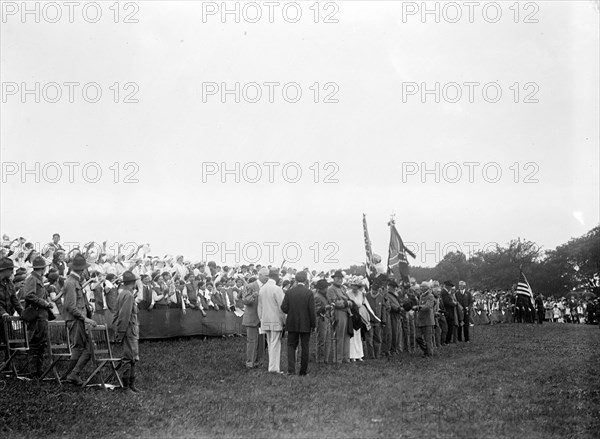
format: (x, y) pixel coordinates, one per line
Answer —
(368, 250)
(523, 287)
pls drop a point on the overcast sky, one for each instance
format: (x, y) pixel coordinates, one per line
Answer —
(373, 141)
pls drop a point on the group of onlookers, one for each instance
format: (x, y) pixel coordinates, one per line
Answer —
(353, 317)
(506, 307)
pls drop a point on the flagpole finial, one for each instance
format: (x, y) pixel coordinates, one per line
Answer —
(392, 220)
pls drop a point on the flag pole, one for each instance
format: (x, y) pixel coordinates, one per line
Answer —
(390, 223)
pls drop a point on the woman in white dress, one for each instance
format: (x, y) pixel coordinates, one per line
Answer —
(357, 295)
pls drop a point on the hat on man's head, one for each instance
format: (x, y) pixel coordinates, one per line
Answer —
(78, 262)
(301, 276)
(6, 264)
(338, 273)
(19, 278)
(274, 273)
(52, 276)
(128, 276)
(322, 284)
(382, 278)
(448, 283)
(392, 283)
(39, 263)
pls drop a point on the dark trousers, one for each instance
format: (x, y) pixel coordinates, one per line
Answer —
(464, 329)
(540, 315)
(38, 341)
(425, 339)
(80, 346)
(324, 353)
(374, 341)
(451, 334)
(444, 328)
(292, 344)
(396, 332)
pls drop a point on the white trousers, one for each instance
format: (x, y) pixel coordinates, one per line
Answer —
(274, 341)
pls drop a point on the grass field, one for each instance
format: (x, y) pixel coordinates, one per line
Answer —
(521, 381)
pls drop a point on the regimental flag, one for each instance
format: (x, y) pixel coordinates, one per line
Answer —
(397, 262)
(523, 287)
(368, 250)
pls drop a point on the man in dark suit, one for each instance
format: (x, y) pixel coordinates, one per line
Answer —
(465, 299)
(450, 311)
(299, 305)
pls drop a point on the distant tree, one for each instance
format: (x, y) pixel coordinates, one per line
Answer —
(580, 260)
(356, 270)
(574, 266)
(422, 273)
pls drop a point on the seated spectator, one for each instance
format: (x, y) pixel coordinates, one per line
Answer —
(191, 293)
(177, 299)
(144, 297)
(53, 292)
(215, 297)
(160, 292)
(111, 292)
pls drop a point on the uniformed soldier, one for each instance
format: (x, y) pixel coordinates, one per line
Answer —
(36, 298)
(425, 320)
(9, 302)
(336, 294)
(376, 299)
(394, 317)
(323, 309)
(127, 330)
(75, 311)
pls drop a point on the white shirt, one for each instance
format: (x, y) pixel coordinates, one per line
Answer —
(269, 310)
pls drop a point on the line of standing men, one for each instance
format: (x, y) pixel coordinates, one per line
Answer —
(267, 311)
(400, 318)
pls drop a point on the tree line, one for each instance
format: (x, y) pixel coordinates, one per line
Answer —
(571, 268)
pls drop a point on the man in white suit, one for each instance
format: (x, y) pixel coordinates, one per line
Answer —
(272, 318)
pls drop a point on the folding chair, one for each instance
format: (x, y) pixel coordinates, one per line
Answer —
(17, 342)
(60, 347)
(3, 347)
(102, 356)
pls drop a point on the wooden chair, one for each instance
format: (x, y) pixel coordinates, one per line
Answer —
(59, 344)
(3, 346)
(17, 343)
(102, 356)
